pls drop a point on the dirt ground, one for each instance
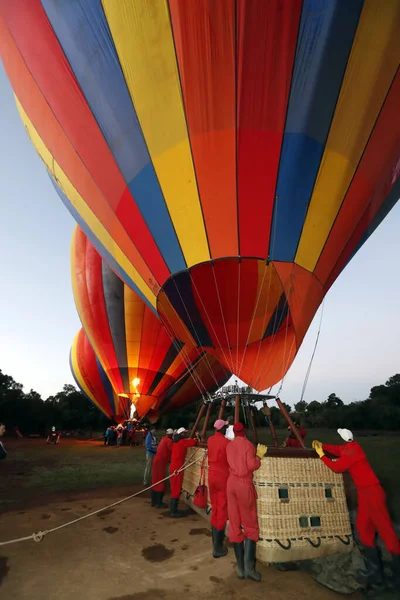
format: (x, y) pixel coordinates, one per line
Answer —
(131, 552)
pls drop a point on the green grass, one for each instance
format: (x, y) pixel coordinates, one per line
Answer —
(33, 467)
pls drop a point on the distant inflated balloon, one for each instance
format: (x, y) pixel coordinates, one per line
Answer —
(227, 158)
(92, 380)
(135, 350)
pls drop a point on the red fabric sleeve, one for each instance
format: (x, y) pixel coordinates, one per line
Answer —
(253, 461)
(340, 465)
(190, 443)
(335, 450)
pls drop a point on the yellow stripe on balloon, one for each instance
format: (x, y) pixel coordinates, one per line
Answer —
(372, 66)
(142, 35)
(82, 208)
(134, 310)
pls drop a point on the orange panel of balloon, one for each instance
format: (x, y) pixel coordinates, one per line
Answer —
(143, 363)
(91, 379)
(228, 173)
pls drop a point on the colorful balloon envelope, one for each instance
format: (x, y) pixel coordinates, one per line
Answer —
(91, 379)
(228, 157)
(135, 350)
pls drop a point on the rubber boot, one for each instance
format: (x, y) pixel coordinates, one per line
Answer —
(239, 555)
(153, 496)
(174, 512)
(395, 581)
(250, 560)
(160, 503)
(219, 548)
(372, 575)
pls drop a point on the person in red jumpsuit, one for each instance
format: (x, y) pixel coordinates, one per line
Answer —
(178, 456)
(292, 441)
(372, 516)
(242, 501)
(160, 464)
(218, 472)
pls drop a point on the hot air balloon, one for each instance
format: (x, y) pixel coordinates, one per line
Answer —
(229, 158)
(142, 362)
(91, 379)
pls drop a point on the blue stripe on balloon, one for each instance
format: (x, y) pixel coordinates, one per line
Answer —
(82, 30)
(99, 246)
(325, 40)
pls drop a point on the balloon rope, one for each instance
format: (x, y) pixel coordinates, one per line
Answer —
(37, 537)
(313, 354)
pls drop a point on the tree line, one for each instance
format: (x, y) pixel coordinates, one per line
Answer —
(70, 410)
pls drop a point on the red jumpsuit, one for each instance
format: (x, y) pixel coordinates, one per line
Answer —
(242, 495)
(292, 442)
(218, 472)
(372, 515)
(177, 460)
(160, 463)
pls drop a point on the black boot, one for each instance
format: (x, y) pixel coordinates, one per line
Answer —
(219, 549)
(372, 575)
(250, 560)
(160, 503)
(174, 512)
(153, 496)
(395, 581)
(239, 555)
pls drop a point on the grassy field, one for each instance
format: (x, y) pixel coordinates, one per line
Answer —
(34, 469)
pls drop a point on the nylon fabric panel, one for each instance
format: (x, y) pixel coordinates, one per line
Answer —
(57, 148)
(132, 325)
(172, 321)
(152, 78)
(266, 40)
(304, 294)
(116, 402)
(325, 39)
(204, 35)
(372, 66)
(163, 368)
(87, 282)
(154, 346)
(365, 228)
(264, 363)
(375, 176)
(102, 250)
(83, 33)
(110, 289)
(78, 376)
(43, 55)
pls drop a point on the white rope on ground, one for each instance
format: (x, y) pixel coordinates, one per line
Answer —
(38, 536)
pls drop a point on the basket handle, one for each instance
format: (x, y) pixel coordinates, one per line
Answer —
(283, 545)
(346, 542)
(317, 545)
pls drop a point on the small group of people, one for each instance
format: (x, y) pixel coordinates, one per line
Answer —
(127, 434)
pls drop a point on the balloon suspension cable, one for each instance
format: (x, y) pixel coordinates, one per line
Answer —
(303, 391)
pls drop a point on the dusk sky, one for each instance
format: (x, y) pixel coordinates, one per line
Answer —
(360, 340)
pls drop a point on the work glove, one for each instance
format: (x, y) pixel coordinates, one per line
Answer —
(316, 443)
(318, 449)
(261, 450)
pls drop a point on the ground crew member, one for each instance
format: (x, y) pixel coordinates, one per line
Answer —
(160, 464)
(218, 472)
(177, 460)
(372, 515)
(242, 501)
(292, 441)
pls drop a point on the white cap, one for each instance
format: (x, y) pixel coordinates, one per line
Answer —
(345, 434)
(53, 428)
(181, 430)
(169, 431)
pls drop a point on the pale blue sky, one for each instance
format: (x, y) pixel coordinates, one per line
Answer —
(360, 340)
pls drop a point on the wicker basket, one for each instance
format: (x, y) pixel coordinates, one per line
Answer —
(302, 511)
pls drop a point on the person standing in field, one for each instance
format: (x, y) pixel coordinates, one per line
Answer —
(218, 473)
(160, 464)
(243, 460)
(177, 461)
(151, 449)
